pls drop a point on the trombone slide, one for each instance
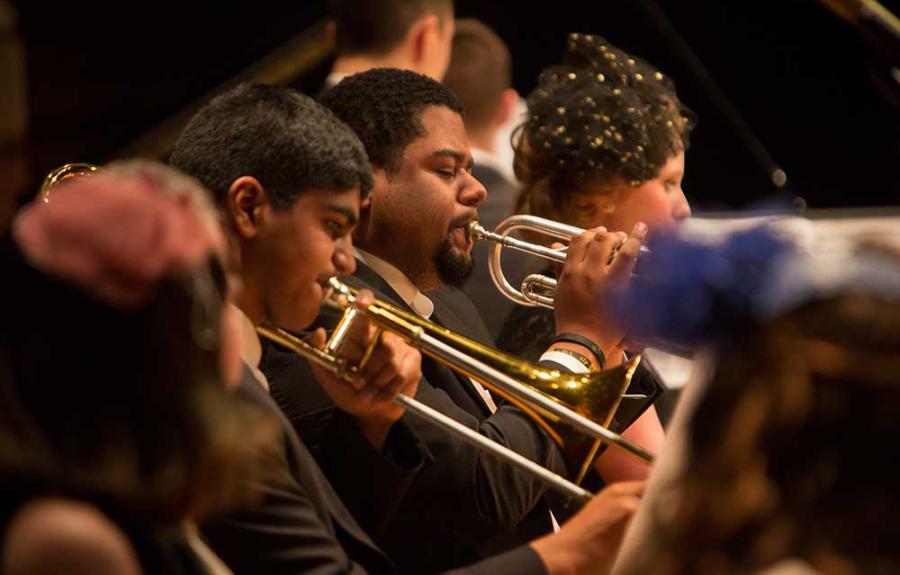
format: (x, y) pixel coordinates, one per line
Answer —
(419, 409)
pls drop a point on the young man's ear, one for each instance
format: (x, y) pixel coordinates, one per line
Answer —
(245, 206)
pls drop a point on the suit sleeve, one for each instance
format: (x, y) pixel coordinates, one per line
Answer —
(458, 488)
(370, 483)
(522, 560)
(283, 534)
(479, 486)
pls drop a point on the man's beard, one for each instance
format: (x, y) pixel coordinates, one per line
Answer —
(453, 266)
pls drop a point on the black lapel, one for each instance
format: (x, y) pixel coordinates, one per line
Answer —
(437, 375)
(304, 468)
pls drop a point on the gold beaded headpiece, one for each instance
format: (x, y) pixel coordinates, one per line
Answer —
(603, 114)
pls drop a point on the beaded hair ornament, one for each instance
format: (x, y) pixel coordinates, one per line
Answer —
(602, 113)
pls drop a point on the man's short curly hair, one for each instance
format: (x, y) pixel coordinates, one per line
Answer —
(286, 140)
(384, 108)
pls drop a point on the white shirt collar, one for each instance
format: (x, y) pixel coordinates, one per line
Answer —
(415, 299)
(401, 284)
(251, 349)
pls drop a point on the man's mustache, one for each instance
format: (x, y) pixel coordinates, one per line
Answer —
(462, 220)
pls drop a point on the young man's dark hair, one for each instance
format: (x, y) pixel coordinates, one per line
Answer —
(377, 26)
(262, 131)
(383, 107)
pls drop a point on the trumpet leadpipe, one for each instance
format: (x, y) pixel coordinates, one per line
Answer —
(536, 290)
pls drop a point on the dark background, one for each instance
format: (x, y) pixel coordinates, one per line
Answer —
(805, 82)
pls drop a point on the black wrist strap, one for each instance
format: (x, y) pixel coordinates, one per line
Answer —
(583, 341)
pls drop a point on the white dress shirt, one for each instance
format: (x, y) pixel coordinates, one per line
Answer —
(251, 349)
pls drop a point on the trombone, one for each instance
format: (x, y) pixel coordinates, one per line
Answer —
(536, 289)
(546, 395)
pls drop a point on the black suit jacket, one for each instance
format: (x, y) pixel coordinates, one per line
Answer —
(301, 525)
(461, 498)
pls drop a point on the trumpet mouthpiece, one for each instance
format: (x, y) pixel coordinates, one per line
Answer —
(476, 231)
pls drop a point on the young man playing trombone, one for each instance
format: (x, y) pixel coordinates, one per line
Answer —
(412, 239)
(288, 224)
(288, 179)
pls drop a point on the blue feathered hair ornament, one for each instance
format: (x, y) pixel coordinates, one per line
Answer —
(687, 293)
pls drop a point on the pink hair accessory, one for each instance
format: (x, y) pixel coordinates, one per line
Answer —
(114, 236)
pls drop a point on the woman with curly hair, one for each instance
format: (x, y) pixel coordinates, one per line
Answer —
(603, 146)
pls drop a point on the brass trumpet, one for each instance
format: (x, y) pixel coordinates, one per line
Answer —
(567, 406)
(536, 289)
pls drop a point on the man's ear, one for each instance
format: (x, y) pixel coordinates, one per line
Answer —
(378, 185)
(246, 205)
(508, 106)
(423, 38)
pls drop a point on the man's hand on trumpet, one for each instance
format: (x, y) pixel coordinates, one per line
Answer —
(392, 368)
(597, 263)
